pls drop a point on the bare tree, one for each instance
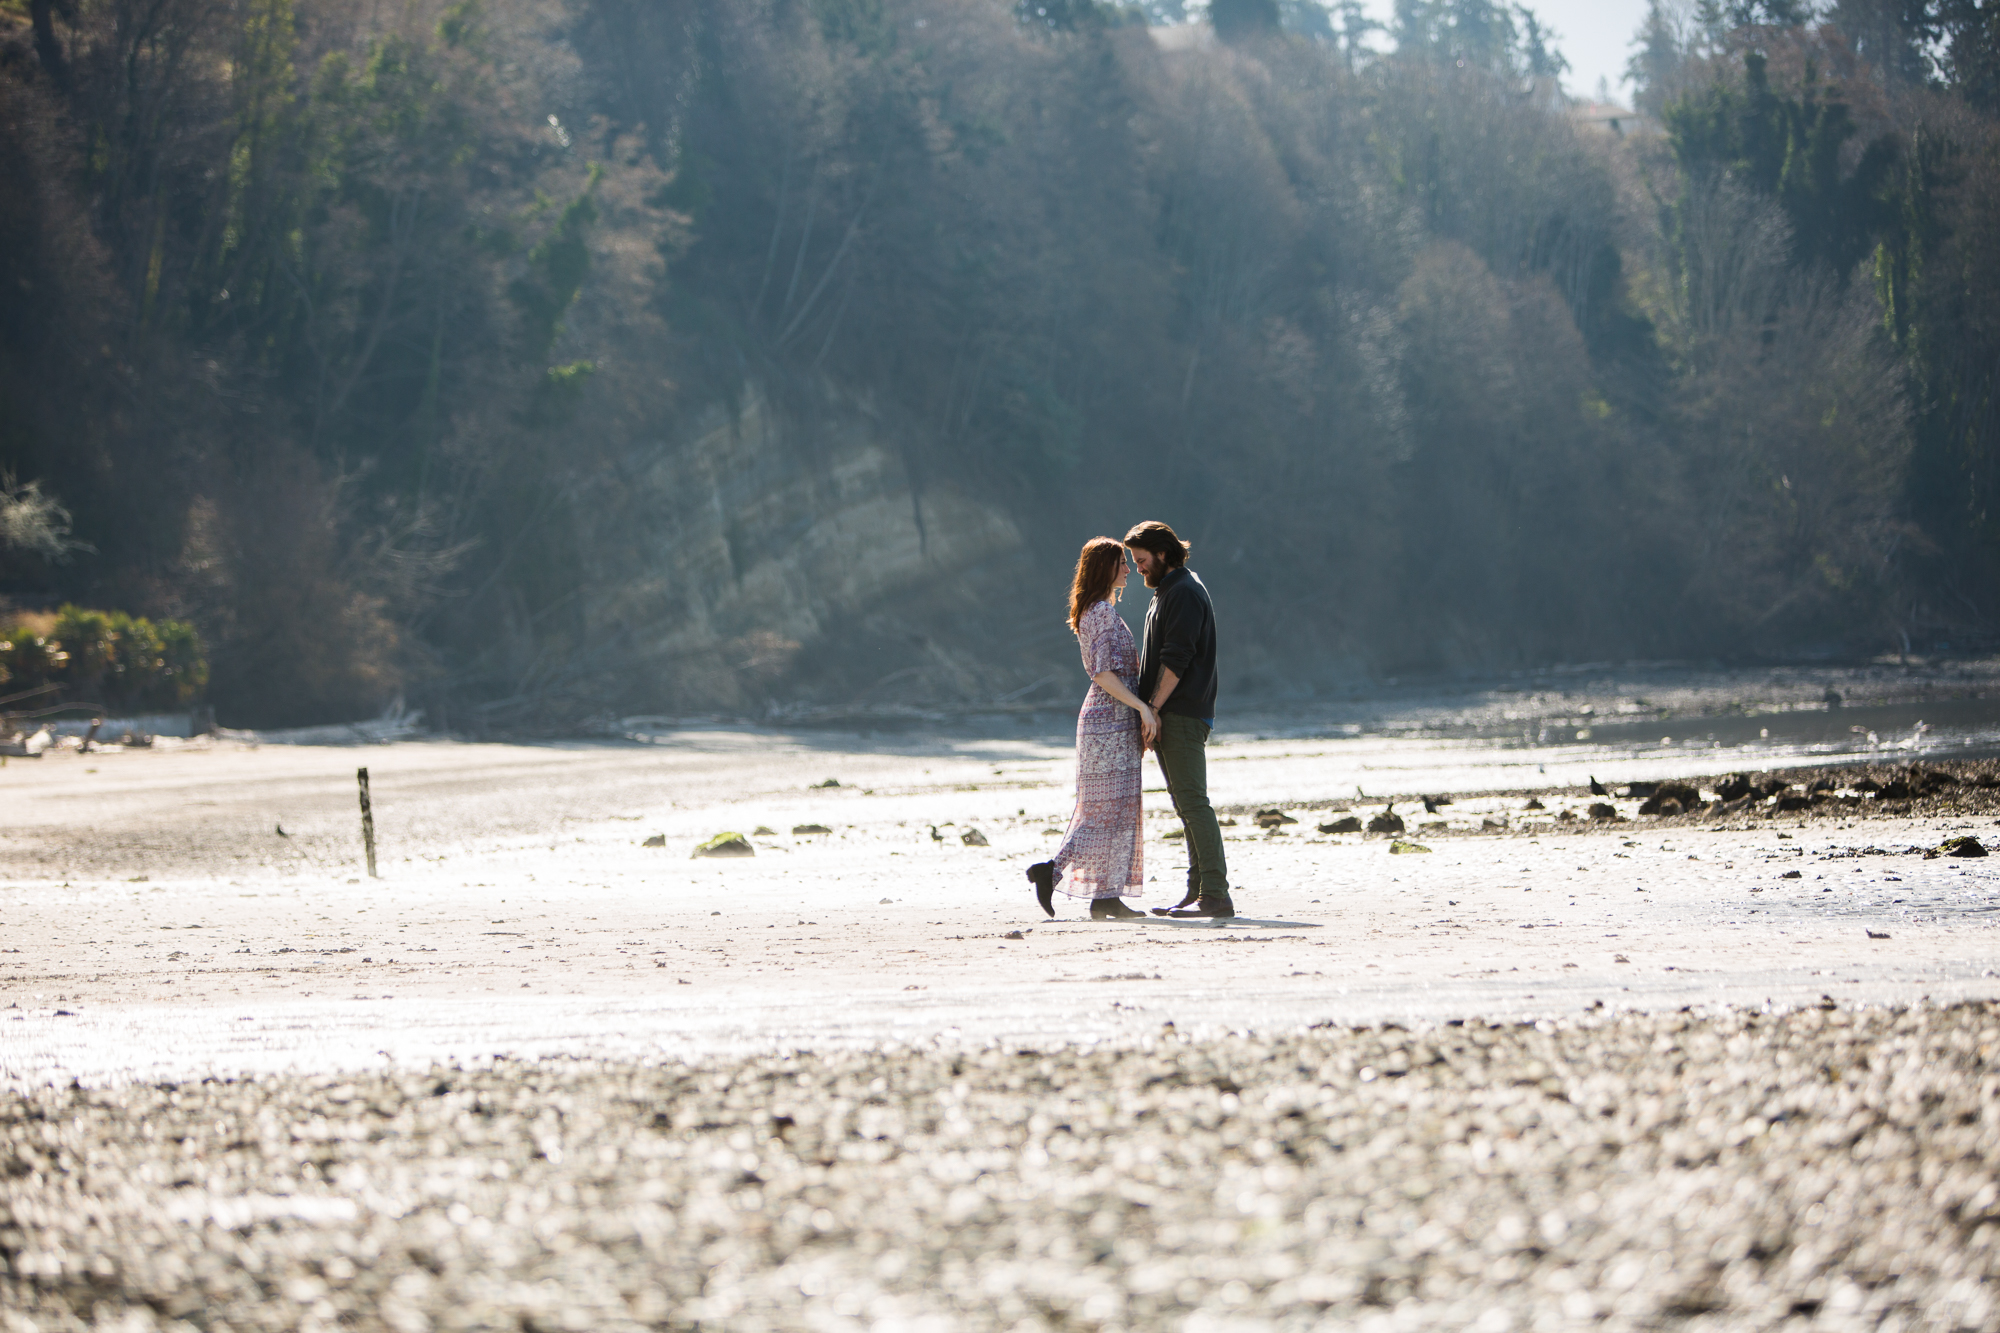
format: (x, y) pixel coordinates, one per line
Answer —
(32, 522)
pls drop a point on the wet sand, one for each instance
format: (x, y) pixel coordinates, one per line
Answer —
(1608, 1075)
(157, 924)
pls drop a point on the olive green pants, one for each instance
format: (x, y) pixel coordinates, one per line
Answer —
(1182, 748)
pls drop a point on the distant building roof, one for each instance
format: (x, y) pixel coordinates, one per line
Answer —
(1182, 36)
(1612, 118)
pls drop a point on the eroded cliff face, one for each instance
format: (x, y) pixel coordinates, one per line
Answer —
(765, 557)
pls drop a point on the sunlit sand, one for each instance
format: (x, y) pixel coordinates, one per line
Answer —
(159, 924)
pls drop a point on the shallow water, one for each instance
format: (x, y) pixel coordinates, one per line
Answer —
(1555, 729)
(1944, 728)
(1380, 765)
(1639, 725)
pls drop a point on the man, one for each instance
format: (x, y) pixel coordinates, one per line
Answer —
(1177, 677)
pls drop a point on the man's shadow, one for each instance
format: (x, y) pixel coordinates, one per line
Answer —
(1231, 923)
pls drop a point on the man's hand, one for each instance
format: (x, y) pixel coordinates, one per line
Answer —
(1149, 728)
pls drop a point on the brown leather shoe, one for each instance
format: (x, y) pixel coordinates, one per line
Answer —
(1192, 894)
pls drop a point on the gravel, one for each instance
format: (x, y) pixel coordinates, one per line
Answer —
(1820, 1168)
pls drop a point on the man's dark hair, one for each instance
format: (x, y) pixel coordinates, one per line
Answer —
(1157, 537)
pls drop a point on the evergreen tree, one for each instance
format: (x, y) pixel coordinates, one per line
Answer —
(1972, 51)
(1720, 17)
(1236, 20)
(1789, 148)
(1895, 37)
(1663, 49)
(1353, 30)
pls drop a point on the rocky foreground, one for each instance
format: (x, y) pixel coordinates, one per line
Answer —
(1814, 1169)
(1950, 788)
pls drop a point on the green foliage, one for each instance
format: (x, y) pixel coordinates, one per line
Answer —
(182, 660)
(263, 85)
(1796, 407)
(383, 339)
(105, 657)
(1972, 53)
(1791, 148)
(1915, 202)
(561, 392)
(459, 24)
(569, 380)
(1937, 276)
(556, 268)
(1235, 20)
(1070, 15)
(28, 659)
(1480, 33)
(868, 26)
(1897, 38)
(690, 189)
(1725, 15)
(89, 638)
(1927, 173)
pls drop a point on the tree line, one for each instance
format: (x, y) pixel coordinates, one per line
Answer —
(331, 328)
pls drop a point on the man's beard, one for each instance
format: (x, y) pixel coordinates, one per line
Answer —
(1153, 579)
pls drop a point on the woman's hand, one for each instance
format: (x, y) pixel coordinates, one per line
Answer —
(1149, 719)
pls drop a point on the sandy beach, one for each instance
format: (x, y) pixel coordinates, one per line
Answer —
(550, 1070)
(213, 896)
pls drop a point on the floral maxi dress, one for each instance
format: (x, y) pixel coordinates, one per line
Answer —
(1101, 854)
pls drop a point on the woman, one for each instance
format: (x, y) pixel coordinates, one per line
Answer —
(1100, 856)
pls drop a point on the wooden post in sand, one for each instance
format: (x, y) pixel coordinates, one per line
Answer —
(367, 822)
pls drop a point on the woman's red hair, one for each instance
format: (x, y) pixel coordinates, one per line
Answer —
(1096, 570)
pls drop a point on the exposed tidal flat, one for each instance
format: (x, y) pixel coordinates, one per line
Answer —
(1818, 1168)
(1568, 1069)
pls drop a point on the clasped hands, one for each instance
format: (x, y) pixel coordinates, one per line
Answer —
(1149, 727)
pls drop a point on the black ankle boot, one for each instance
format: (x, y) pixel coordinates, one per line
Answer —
(1042, 874)
(1113, 909)
(1218, 906)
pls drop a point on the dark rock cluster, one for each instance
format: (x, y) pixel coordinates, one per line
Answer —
(1822, 1168)
(1940, 788)
(1670, 798)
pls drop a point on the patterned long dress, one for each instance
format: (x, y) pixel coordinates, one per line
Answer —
(1101, 855)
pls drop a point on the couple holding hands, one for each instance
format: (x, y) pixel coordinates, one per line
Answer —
(1160, 697)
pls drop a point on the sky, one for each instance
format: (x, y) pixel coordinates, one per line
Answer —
(1595, 35)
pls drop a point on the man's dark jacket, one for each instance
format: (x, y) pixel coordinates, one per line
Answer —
(1180, 636)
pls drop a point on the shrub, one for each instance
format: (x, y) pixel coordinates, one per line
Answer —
(126, 663)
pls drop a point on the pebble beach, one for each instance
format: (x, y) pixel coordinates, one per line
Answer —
(1817, 1169)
